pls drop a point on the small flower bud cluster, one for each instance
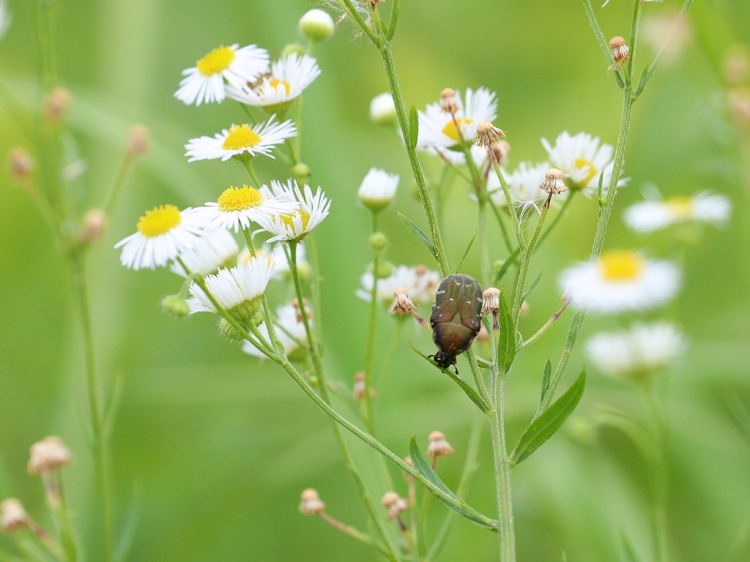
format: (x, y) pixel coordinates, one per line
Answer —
(448, 102)
(439, 446)
(395, 504)
(491, 305)
(311, 503)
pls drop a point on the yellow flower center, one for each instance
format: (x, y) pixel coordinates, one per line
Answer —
(239, 198)
(288, 219)
(451, 131)
(275, 83)
(159, 220)
(680, 207)
(621, 265)
(241, 136)
(216, 61)
(585, 165)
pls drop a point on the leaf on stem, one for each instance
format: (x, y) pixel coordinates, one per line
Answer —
(628, 549)
(545, 380)
(506, 344)
(548, 422)
(532, 286)
(419, 234)
(413, 126)
(506, 266)
(127, 532)
(466, 253)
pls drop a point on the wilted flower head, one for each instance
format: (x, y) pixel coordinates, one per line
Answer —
(138, 140)
(439, 446)
(395, 504)
(48, 454)
(12, 515)
(523, 184)
(311, 503)
(20, 163)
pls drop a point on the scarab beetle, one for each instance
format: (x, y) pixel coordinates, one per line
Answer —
(456, 317)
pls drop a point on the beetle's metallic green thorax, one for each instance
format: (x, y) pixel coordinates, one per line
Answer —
(456, 316)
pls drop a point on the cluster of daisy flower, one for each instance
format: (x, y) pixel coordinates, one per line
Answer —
(198, 243)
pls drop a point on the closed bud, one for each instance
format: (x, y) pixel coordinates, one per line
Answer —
(385, 269)
(20, 163)
(378, 241)
(138, 140)
(292, 49)
(382, 109)
(301, 173)
(175, 305)
(56, 104)
(94, 225)
(316, 25)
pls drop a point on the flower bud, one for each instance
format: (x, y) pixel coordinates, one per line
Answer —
(316, 25)
(175, 305)
(94, 225)
(48, 454)
(56, 104)
(385, 269)
(378, 189)
(292, 49)
(378, 241)
(439, 446)
(311, 503)
(138, 140)
(382, 109)
(301, 173)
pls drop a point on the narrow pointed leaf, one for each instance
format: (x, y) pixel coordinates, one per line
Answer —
(506, 266)
(545, 380)
(466, 253)
(506, 345)
(548, 422)
(531, 287)
(422, 465)
(393, 20)
(419, 234)
(413, 126)
(628, 550)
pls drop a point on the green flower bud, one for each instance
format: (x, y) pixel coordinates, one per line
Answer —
(385, 269)
(292, 49)
(175, 305)
(301, 173)
(378, 241)
(317, 25)
(228, 331)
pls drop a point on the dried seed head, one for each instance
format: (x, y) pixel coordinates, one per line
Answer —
(500, 151)
(138, 140)
(491, 305)
(56, 104)
(310, 503)
(448, 102)
(439, 446)
(12, 515)
(395, 504)
(402, 304)
(48, 454)
(94, 225)
(488, 135)
(553, 182)
(524, 310)
(20, 163)
(359, 386)
(620, 51)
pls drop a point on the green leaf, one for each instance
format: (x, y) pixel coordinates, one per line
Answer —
(545, 380)
(548, 422)
(531, 287)
(393, 20)
(418, 232)
(466, 253)
(628, 550)
(506, 266)
(422, 465)
(127, 532)
(468, 390)
(506, 345)
(413, 126)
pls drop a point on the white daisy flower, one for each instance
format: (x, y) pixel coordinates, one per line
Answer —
(286, 81)
(214, 250)
(377, 189)
(582, 158)
(523, 183)
(5, 18)
(241, 139)
(621, 281)
(289, 329)
(656, 214)
(236, 290)
(642, 350)
(237, 207)
(279, 263)
(205, 82)
(438, 129)
(162, 234)
(456, 157)
(382, 109)
(420, 284)
(313, 208)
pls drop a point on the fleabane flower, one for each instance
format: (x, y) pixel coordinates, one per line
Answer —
(295, 225)
(621, 281)
(523, 182)
(206, 81)
(582, 158)
(277, 89)
(289, 329)
(213, 250)
(442, 131)
(241, 140)
(162, 234)
(236, 290)
(238, 207)
(637, 352)
(378, 189)
(419, 281)
(279, 263)
(655, 214)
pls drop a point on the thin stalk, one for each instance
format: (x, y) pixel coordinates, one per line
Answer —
(312, 255)
(95, 412)
(354, 533)
(325, 396)
(511, 207)
(248, 165)
(547, 325)
(267, 316)
(370, 353)
(526, 254)
(503, 227)
(114, 191)
(503, 487)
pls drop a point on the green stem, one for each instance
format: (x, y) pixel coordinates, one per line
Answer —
(526, 254)
(503, 487)
(114, 191)
(312, 255)
(248, 165)
(95, 412)
(267, 316)
(547, 325)
(354, 533)
(367, 398)
(512, 211)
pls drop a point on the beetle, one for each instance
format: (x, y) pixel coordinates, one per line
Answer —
(456, 317)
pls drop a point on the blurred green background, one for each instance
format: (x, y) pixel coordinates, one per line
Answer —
(214, 447)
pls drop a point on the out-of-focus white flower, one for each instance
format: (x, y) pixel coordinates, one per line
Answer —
(238, 207)
(205, 82)
(621, 281)
(286, 81)
(240, 140)
(378, 189)
(523, 182)
(214, 250)
(289, 329)
(162, 234)
(656, 214)
(382, 109)
(438, 130)
(420, 284)
(582, 158)
(313, 209)
(639, 351)
(5, 18)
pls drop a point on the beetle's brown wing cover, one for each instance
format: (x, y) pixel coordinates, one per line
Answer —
(449, 298)
(471, 304)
